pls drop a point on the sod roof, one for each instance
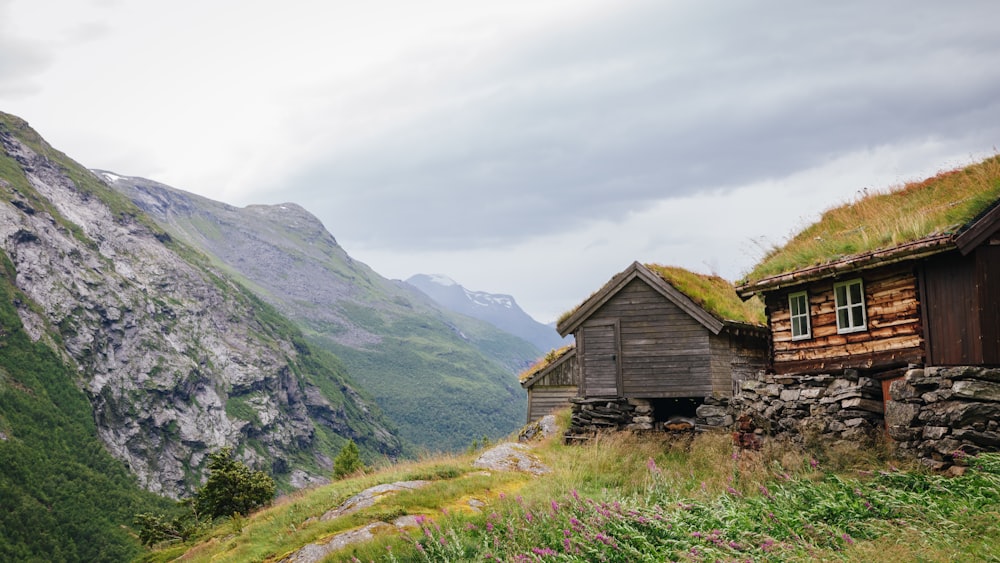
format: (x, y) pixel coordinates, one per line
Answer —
(712, 293)
(885, 223)
(710, 299)
(552, 357)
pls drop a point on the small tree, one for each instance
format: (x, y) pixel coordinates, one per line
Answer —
(232, 487)
(348, 461)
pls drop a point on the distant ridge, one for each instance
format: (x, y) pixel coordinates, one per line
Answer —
(498, 309)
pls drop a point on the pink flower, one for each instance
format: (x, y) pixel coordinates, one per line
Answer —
(653, 468)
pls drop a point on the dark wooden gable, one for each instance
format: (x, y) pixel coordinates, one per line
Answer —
(617, 283)
(640, 337)
(960, 297)
(553, 386)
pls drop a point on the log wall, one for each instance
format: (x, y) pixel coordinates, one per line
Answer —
(894, 335)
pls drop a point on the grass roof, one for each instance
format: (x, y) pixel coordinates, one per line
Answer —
(552, 357)
(712, 293)
(886, 219)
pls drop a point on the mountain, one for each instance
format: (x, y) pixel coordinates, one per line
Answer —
(444, 379)
(499, 310)
(174, 357)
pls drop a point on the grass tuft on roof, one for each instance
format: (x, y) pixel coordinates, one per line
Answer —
(544, 362)
(884, 219)
(712, 293)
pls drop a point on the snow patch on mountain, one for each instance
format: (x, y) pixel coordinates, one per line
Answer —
(484, 299)
(442, 280)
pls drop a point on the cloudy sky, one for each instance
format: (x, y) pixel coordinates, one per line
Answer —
(533, 148)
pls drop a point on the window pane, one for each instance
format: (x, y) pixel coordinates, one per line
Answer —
(842, 321)
(858, 317)
(855, 293)
(841, 296)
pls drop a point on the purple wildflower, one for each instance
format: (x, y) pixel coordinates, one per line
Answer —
(847, 538)
(653, 468)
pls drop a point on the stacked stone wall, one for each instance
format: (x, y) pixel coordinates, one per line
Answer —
(595, 415)
(942, 414)
(804, 409)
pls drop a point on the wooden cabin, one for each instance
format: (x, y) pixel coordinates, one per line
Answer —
(662, 334)
(894, 279)
(552, 382)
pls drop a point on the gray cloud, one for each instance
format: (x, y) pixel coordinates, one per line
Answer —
(658, 101)
(20, 60)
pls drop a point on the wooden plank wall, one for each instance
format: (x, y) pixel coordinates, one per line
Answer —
(894, 336)
(749, 356)
(988, 274)
(565, 374)
(951, 302)
(962, 306)
(597, 349)
(542, 400)
(664, 352)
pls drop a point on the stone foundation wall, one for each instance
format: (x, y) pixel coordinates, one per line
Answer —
(941, 414)
(594, 415)
(806, 408)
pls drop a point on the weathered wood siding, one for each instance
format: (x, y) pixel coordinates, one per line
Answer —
(749, 356)
(543, 400)
(566, 373)
(598, 349)
(664, 352)
(961, 297)
(894, 336)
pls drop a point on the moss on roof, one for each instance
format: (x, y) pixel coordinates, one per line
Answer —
(712, 293)
(883, 220)
(552, 357)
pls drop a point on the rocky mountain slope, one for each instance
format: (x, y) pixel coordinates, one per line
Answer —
(175, 358)
(415, 357)
(500, 310)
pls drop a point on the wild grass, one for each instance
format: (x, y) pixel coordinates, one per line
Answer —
(545, 361)
(713, 293)
(633, 498)
(884, 219)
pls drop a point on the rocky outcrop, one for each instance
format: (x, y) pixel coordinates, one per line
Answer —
(942, 414)
(511, 456)
(175, 358)
(405, 349)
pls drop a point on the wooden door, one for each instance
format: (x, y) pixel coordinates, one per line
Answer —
(600, 365)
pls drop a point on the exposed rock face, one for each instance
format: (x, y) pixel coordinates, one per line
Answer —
(405, 349)
(173, 356)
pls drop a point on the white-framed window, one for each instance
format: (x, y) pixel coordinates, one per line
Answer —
(850, 301)
(798, 305)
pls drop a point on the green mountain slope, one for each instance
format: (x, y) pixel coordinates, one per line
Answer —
(444, 379)
(62, 496)
(175, 357)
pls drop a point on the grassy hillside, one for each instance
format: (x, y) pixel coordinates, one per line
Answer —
(62, 496)
(628, 498)
(410, 354)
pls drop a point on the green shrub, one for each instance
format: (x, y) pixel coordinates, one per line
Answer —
(232, 487)
(348, 461)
